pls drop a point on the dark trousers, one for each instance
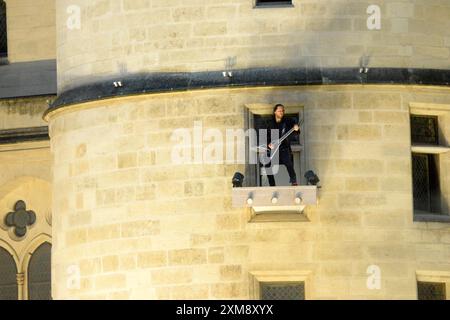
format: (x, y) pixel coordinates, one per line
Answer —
(285, 159)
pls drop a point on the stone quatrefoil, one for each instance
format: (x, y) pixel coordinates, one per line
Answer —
(20, 218)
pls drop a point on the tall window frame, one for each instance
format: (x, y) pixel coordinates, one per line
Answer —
(433, 150)
(38, 278)
(22, 264)
(253, 172)
(8, 275)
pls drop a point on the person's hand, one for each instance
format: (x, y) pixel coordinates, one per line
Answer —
(270, 146)
(296, 127)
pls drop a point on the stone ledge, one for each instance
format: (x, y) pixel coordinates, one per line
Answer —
(429, 149)
(275, 204)
(160, 82)
(275, 198)
(279, 217)
(12, 136)
(432, 218)
(272, 5)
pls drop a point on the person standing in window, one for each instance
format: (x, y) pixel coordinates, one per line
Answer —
(283, 125)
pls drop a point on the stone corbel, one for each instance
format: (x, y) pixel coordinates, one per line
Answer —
(273, 201)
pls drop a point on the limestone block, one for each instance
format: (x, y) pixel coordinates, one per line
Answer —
(127, 262)
(152, 259)
(110, 263)
(327, 251)
(192, 292)
(215, 255)
(230, 272)
(127, 160)
(111, 281)
(187, 257)
(229, 290)
(171, 276)
(362, 184)
(376, 101)
(98, 233)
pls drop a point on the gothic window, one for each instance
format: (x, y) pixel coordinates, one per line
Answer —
(39, 274)
(425, 165)
(8, 271)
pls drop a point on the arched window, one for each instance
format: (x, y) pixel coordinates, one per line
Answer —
(39, 274)
(3, 35)
(8, 271)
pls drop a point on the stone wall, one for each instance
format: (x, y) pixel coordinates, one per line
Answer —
(31, 30)
(23, 112)
(130, 36)
(138, 226)
(25, 174)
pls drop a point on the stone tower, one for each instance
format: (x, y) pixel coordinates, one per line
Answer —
(130, 223)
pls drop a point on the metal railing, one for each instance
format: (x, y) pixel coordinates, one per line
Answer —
(274, 291)
(424, 130)
(431, 291)
(421, 182)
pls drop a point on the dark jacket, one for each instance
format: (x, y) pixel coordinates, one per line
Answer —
(283, 127)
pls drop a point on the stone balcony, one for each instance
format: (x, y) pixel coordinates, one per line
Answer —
(268, 204)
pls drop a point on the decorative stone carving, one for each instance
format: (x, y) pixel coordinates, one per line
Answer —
(20, 219)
